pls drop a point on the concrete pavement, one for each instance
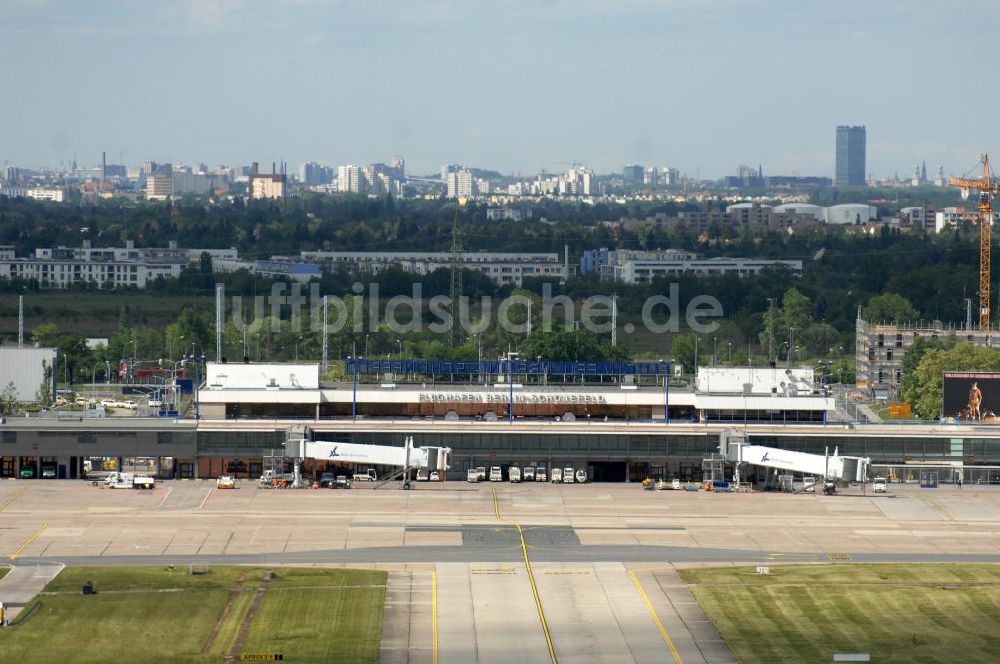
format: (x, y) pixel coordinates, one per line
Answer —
(602, 555)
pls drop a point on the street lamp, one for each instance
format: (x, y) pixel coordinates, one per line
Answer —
(730, 352)
(715, 349)
(696, 356)
(366, 346)
(197, 359)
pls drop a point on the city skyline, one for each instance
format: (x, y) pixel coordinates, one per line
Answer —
(516, 86)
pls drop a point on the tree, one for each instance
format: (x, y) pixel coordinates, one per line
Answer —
(909, 387)
(8, 399)
(44, 394)
(45, 335)
(682, 350)
(889, 307)
(819, 338)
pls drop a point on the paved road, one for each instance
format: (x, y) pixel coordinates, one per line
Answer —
(23, 582)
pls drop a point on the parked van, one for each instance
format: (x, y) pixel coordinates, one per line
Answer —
(556, 475)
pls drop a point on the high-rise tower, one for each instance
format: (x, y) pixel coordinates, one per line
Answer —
(850, 157)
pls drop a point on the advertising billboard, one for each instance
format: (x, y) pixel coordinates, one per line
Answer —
(971, 396)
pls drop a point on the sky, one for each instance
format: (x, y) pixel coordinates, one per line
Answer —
(512, 85)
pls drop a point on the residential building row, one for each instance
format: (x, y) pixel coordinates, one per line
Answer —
(105, 267)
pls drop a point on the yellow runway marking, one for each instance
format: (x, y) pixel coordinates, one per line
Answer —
(29, 541)
(434, 616)
(656, 619)
(531, 579)
(933, 503)
(13, 498)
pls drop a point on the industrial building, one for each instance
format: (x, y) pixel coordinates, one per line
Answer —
(502, 267)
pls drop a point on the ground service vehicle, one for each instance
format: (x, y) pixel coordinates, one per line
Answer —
(435, 476)
(514, 474)
(541, 475)
(225, 482)
(117, 480)
(528, 474)
(879, 485)
(557, 475)
(567, 475)
(472, 475)
(341, 482)
(581, 476)
(422, 475)
(496, 475)
(481, 472)
(365, 476)
(327, 479)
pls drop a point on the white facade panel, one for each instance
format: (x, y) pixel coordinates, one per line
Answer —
(24, 367)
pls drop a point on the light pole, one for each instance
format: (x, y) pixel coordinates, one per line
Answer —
(366, 346)
(730, 352)
(197, 379)
(93, 379)
(354, 394)
(666, 392)
(696, 356)
(715, 349)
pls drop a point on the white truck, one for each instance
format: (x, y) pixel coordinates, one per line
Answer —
(118, 480)
(472, 475)
(514, 474)
(422, 475)
(496, 474)
(581, 476)
(541, 475)
(556, 475)
(370, 475)
(567, 475)
(528, 474)
(481, 473)
(879, 484)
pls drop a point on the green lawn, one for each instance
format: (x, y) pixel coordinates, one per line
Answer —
(150, 614)
(897, 613)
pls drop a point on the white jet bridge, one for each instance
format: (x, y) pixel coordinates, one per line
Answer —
(402, 458)
(830, 468)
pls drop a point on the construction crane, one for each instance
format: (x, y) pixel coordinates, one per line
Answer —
(988, 189)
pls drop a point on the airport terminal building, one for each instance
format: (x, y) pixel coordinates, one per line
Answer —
(620, 421)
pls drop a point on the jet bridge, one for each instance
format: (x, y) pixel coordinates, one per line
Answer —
(835, 468)
(401, 458)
